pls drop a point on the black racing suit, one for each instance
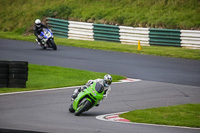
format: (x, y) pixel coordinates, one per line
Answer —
(38, 30)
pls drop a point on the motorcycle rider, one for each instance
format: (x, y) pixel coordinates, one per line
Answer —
(105, 82)
(38, 29)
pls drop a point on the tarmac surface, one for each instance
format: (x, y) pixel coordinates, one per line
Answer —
(165, 82)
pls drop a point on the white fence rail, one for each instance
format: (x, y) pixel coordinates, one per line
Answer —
(130, 35)
(125, 35)
(190, 39)
(80, 31)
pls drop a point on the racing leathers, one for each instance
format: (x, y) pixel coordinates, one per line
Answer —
(38, 30)
(107, 88)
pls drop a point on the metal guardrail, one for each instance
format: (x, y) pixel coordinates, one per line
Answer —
(130, 35)
(190, 39)
(106, 32)
(166, 37)
(59, 27)
(80, 30)
(123, 34)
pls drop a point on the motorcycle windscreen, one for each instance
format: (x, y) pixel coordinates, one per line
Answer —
(99, 88)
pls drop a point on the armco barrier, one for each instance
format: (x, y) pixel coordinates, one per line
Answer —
(130, 35)
(106, 32)
(58, 26)
(190, 39)
(123, 34)
(166, 37)
(80, 30)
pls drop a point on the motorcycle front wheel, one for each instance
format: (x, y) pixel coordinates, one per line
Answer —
(71, 110)
(53, 45)
(83, 106)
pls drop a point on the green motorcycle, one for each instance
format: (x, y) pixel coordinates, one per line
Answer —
(87, 99)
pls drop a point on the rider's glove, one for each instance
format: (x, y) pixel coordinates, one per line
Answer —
(83, 88)
(89, 83)
(40, 37)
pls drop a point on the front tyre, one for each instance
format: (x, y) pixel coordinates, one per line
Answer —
(83, 106)
(53, 45)
(71, 109)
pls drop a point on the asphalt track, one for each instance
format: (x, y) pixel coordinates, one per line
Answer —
(152, 68)
(165, 82)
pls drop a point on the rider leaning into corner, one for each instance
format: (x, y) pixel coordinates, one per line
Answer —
(38, 29)
(106, 82)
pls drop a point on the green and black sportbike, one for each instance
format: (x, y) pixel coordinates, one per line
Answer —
(87, 99)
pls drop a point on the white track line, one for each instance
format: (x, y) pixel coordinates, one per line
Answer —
(103, 118)
(21, 92)
(53, 89)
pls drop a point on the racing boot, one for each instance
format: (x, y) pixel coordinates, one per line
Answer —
(38, 42)
(97, 104)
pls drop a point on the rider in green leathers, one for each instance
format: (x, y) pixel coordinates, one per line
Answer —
(106, 82)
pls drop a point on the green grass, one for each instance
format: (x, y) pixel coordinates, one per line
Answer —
(46, 77)
(111, 46)
(181, 115)
(19, 15)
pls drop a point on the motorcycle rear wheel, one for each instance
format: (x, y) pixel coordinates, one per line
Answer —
(43, 47)
(82, 107)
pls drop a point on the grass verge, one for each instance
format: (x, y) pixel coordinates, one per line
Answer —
(181, 115)
(177, 52)
(46, 77)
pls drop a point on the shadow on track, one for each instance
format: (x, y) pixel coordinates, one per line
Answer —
(17, 131)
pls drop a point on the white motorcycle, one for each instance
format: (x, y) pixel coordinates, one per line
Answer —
(47, 39)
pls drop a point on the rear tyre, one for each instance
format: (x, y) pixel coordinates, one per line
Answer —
(83, 106)
(43, 47)
(3, 76)
(4, 64)
(4, 70)
(3, 85)
(18, 76)
(3, 81)
(17, 81)
(18, 64)
(18, 71)
(16, 85)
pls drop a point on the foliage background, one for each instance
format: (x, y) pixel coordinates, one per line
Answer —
(19, 15)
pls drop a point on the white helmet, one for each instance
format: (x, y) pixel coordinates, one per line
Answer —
(38, 22)
(107, 80)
